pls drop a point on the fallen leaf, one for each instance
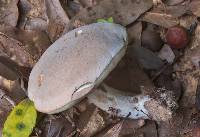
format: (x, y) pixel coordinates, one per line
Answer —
(8, 69)
(9, 12)
(174, 11)
(56, 126)
(21, 120)
(89, 3)
(172, 2)
(71, 7)
(156, 2)
(187, 72)
(194, 7)
(131, 125)
(35, 41)
(187, 20)
(33, 15)
(160, 19)
(91, 121)
(15, 50)
(57, 19)
(5, 108)
(115, 130)
(149, 130)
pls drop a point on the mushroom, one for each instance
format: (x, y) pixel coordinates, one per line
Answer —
(159, 104)
(74, 65)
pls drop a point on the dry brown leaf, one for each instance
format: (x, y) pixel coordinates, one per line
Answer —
(123, 12)
(35, 42)
(57, 19)
(89, 3)
(15, 50)
(175, 11)
(156, 2)
(149, 130)
(33, 15)
(172, 2)
(56, 126)
(131, 125)
(91, 121)
(5, 108)
(71, 7)
(9, 12)
(115, 130)
(187, 20)
(160, 19)
(194, 7)
(187, 72)
(8, 69)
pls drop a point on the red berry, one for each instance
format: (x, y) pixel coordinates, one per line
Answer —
(177, 37)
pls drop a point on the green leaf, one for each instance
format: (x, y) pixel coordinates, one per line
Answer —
(109, 20)
(21, 120)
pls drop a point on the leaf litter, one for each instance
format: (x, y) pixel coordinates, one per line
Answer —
(28, 28)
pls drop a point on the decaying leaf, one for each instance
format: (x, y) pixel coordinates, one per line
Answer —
(8, 69)
(172, 2)
(187, 20)
(57, 19)
(15, 50)
(187, 70)
(35, 42)
(89, 3)
(174, 11)
(156, 2)
(92, 121)
(194, 7)
(9, 12)
(160, 19)
(131, 125)
(126, 12)
(5, 108)
(114, 131)
(21, 120)
(71, 7)
(33, 15)
(56, 126)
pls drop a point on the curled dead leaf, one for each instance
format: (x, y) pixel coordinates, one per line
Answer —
(15, 50)
(160, 19)
(9, 12)
(57, 19)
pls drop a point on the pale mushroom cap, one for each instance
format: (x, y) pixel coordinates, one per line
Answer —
(74, 64)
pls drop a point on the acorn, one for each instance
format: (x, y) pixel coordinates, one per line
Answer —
(177, 37)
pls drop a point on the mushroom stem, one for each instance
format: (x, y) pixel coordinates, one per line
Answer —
(113, 101)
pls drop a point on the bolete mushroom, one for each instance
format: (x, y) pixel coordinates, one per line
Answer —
(75, 64)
